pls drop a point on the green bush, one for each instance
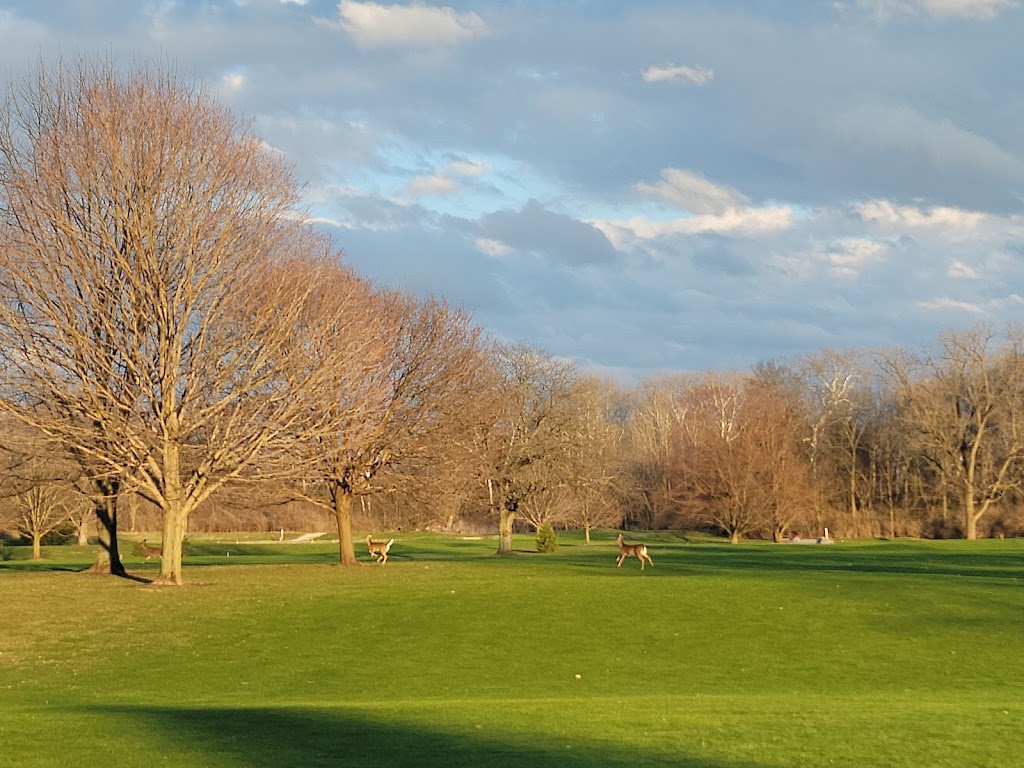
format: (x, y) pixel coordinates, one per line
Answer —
(547, 539)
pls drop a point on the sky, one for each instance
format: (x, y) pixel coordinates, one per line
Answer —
(643, 187)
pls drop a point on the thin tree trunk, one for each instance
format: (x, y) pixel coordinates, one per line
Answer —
(37, 551)
(82, 529)
(133, 512)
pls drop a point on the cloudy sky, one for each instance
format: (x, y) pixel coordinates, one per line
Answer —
(641, 186)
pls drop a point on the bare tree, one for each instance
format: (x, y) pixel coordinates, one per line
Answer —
(37, 495)
(548, 505)
(716, 467)
(654, 443)
(152, 273)
(595, 466)
(963, 405)
(399, 403)
(42, 509)
(527, 445)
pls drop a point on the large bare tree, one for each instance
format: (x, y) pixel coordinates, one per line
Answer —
(152, 273)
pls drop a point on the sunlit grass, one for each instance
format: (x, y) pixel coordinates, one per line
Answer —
(860, 654)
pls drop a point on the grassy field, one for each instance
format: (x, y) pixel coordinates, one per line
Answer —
(856, 654)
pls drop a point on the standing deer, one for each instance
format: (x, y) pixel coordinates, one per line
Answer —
(379, 549)
(148, 551)
(639, 551)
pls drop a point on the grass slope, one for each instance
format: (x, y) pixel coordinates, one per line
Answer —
(859, 654)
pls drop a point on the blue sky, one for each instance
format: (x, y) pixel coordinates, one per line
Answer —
(642, 187)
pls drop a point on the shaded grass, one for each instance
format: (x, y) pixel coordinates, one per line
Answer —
(861, 654)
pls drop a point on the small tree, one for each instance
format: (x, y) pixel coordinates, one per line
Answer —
(42, 509)
(35, 486)
(547, 539)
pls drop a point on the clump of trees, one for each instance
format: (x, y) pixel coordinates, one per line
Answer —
(177, 338)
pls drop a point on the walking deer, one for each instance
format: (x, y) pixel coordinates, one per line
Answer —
(379, 549)
(639, 551)
(148, 551)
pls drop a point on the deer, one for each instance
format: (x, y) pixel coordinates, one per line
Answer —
(639, 551)
(379, 549)
(148, 551)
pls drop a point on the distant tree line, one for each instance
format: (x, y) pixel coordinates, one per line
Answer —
(181, 349)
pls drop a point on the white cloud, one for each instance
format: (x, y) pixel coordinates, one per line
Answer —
(848, 257)
(946, 303)
(431, 185)
(938, 9)
(468, 168)
(683, 73)
(494, 248)
(372, 24)
(844, 258)
(693, 192)
(234, 81)
(741, 222)
(953, 223)
(958, 268)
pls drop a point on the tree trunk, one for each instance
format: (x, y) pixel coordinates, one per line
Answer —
(971, 517)
(175, 519)
(734, 537)
(82, 528)
(37, 552)
(108, 558)
(505, 520)
(133, 512)
(175, 524)
(343, 514)
(586, 532)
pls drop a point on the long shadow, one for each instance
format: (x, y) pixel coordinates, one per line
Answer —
(278, 737)
(894, 560)
(43, 565)
(758, 560)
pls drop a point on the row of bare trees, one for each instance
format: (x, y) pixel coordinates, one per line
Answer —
(173, 331)
(887, 442)
(171, 325)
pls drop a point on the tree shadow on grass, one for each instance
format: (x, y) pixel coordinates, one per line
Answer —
(340, 738)
(890, 559)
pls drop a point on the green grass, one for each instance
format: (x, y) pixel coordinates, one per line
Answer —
(855, 654)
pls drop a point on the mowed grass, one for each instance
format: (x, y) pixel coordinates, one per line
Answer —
(855, 654)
